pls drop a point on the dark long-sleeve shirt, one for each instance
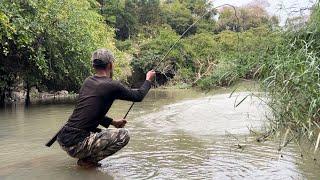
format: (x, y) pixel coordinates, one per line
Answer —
(95, 99)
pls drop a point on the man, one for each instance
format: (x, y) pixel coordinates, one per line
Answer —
(80, 137)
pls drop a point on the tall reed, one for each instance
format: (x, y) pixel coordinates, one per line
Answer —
(292, 79)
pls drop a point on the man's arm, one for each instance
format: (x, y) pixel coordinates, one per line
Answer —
(106, 121)
(136, 95)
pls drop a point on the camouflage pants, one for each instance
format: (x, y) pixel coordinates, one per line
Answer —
(99, 145)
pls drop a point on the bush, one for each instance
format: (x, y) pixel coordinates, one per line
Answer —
(235, 55)
(152, 51)
(50, 42)
(224, 74)
(201, 53)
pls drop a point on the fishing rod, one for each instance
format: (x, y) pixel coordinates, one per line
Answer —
(183, 34)
(125, 116)
(53, 139)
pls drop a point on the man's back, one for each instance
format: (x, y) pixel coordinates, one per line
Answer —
(95, 99)
(80, 137)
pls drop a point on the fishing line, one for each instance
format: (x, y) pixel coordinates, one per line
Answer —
(183, 34)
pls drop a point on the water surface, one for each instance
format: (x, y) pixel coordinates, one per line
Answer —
(175, 134)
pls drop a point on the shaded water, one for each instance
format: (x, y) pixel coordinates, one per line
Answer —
(175, 134)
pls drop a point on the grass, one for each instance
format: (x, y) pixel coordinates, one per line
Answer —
(293, 83)
(287, 63)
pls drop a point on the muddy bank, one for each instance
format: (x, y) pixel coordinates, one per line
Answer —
(20, 96)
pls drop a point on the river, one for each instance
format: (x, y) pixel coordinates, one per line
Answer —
(175, 134)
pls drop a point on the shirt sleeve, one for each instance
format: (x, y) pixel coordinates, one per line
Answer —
(105, 122)
(136, 95)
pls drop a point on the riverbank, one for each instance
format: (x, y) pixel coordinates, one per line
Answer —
(20, 96)
(37, 97)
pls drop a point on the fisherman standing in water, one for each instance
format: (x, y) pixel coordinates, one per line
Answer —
(80, 137)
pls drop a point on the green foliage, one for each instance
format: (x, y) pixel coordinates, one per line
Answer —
(152, 51)
(234, 55)
(250, 16)
(50, 42)
(141, 18)
(124, 45)
(179, 17)
(201, 53)
(129, 17)
(126, 20)
(109, 9)
(149, 12)
(225, 74)
(181, 14)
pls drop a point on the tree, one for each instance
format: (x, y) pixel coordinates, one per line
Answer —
(198, 9)
(152, 51)
(243, 18)
(109, 9)
(50, 42)
(149, 12)
(178, 16)
(129, 17)
(201, 57)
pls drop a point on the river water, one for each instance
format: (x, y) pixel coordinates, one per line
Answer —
(175, 134)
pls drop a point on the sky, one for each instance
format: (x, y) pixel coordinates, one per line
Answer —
(281, 8)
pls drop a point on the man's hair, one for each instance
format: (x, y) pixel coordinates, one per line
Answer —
(101, 58)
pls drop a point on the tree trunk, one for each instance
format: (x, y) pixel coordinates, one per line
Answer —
(27, 102)
(2, 98)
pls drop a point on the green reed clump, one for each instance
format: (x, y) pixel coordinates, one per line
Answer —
(292, 79)
(288, 64)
